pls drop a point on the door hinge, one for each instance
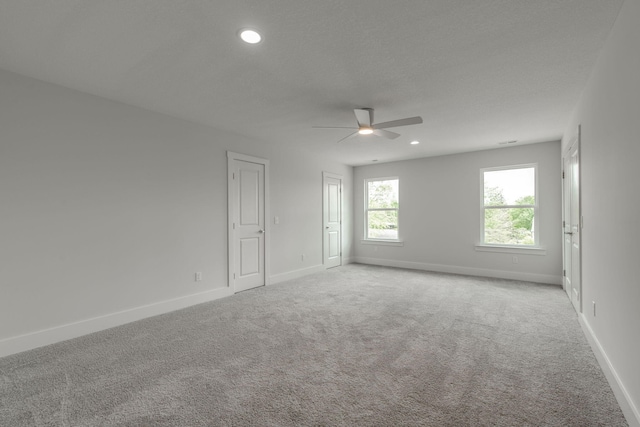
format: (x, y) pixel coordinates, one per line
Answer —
(234, 276)
(564, 273)
(562, 174)
(564, 224)
(234, 225)
(233, 175)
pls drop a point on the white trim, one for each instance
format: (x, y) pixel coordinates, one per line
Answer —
(296, 274)
(511, 249)
(83, 327)
(231, 156)
(509, 167)
(382, 242)
(629, 409)
(340, 178)
(332, 175)
(499, 274)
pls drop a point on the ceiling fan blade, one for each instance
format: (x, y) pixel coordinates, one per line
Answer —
(386, 133)
(349, 136)
(333, 127)
(402, 122)
(364, 116)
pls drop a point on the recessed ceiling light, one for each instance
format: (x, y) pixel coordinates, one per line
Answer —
(365, 131)
(415, 142)
(250, 36)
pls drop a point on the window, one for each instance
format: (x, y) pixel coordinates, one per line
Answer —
(381, 208)
(509, 206)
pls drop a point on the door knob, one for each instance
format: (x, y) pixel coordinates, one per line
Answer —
(327, 228)
(260, 231)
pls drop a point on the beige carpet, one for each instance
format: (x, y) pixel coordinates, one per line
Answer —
(356, 345)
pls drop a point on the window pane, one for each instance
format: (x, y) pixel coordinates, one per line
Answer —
(382, 194)
(382, 224)
(510, 187)
(512, 226)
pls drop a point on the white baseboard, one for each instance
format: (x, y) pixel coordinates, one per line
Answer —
(290, 275)
(629, 409)
(56, 334)
(73, 330)
(500, 274)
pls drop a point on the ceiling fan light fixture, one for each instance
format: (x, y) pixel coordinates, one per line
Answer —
(366, 125)
(250, 36)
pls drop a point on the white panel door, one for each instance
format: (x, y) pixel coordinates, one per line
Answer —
(248, 225)
(332, 220)
(566, 223)
(576, 231)
(572, 224)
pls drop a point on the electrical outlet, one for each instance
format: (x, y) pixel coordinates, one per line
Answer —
(515, 259)
(199, 276)
(276, 220)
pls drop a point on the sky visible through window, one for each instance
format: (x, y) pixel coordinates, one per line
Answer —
(515, 184)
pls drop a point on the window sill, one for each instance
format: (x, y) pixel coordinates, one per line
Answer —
(512, 249)
(382, 242)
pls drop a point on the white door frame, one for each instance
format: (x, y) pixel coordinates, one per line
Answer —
(324, 219)
(574, 230)
(231, 157)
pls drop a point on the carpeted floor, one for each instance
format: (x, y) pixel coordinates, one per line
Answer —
(356, 345)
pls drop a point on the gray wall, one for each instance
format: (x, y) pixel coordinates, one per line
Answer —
(440, 214)
(107, 207)
(609, 112)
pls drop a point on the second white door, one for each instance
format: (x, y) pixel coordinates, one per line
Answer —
(248, 224)
(572, 222)
(332, 219)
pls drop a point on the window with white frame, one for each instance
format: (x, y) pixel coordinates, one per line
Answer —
(509, 206)
(381, 208)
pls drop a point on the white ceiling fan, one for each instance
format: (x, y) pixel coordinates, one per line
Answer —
(366, 126)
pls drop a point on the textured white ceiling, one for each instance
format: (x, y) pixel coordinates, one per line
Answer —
(478, 71)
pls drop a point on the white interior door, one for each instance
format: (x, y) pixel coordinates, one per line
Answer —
(566, 225)
(332, 219)
(572, 225)
(247, 229)
(576, 232)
